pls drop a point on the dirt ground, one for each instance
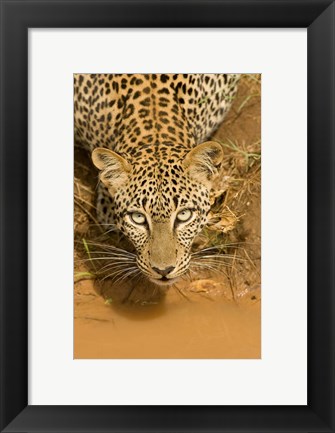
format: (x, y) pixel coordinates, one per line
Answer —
(216, 313)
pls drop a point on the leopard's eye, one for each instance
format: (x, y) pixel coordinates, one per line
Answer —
(184, 215)
(138, 218)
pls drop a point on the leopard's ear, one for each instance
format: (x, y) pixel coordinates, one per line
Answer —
(114, 169)
(202, 162)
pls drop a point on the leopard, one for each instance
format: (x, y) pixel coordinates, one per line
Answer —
(149, 139)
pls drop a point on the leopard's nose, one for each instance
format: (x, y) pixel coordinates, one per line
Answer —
(164, 272)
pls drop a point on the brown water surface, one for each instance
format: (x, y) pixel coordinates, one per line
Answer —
(201, 323)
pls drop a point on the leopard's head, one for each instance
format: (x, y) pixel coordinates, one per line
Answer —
(160, 207)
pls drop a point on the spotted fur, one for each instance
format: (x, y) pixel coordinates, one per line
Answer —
(147, 136)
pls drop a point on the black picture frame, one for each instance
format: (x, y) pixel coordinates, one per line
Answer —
(16, 18)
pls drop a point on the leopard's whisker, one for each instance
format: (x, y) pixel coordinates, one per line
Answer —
(113, 275)
(200, 265)
(219, 260)
(216, 252)
(111, 248)
(132, 273)
(219, 257)
(212, 263)
(109, 258)
(113, 229)
(110, 255)
(181, 293)
(115, 266)
(235, 245)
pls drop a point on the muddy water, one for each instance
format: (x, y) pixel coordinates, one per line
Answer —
(200, 322)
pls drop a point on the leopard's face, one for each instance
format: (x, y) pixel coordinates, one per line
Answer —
(161, 216)
(161, 207)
